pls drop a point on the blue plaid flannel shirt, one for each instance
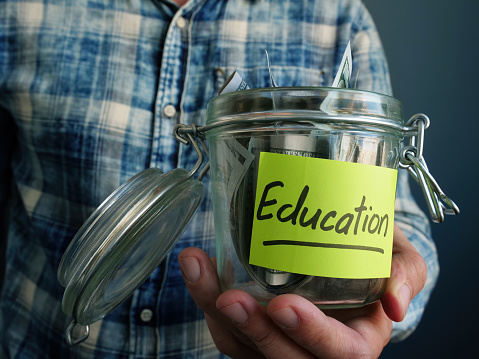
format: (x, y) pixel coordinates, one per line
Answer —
(94, 89)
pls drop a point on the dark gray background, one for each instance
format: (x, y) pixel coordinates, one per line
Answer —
(431, 46)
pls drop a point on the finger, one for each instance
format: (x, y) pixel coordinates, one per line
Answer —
(363, 335)
(251, 319)
(201, 279)
(408, 276)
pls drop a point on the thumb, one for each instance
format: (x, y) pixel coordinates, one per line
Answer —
(408, 276)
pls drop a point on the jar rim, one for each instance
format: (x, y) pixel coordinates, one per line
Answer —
(306, 103)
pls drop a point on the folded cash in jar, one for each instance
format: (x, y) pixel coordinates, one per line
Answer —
(243, 158)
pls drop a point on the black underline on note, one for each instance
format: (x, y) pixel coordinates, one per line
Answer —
(284, 242)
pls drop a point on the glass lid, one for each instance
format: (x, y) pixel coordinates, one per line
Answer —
(124, 240)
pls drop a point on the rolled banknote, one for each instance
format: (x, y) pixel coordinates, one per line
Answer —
(234, 83)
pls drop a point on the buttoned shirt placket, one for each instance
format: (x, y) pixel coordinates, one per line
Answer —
(144, 317)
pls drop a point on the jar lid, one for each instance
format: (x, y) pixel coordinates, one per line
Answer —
(306, 104)
(124, 240)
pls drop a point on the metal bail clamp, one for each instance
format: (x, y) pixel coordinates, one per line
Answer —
(69, 334)
(191, 135)
(411, 158)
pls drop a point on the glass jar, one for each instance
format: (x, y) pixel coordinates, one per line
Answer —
(334, 124)
(263, 143)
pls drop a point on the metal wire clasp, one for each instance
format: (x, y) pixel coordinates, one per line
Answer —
(411, 158)
(69, 334)
(191, 135)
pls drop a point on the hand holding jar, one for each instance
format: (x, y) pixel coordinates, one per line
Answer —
(291, 326)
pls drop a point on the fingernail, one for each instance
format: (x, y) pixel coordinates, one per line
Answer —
(190, 267)
(236, 313)
(287, 317)
(405, 296)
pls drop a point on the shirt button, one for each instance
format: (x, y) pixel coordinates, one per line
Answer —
(146, 315)
(169, 110)
(181, 23)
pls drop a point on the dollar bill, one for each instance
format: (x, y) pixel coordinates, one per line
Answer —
(272, 280)
(343, 76)
(242, 176)
(234, 83)
(237, 161)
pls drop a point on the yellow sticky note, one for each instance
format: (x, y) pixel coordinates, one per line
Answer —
(323, 217)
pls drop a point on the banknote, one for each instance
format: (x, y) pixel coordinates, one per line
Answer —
(234, 83)
(272, 280)
(343, 76)
(242, 175)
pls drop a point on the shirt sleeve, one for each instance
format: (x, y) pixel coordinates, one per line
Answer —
(372, 74)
